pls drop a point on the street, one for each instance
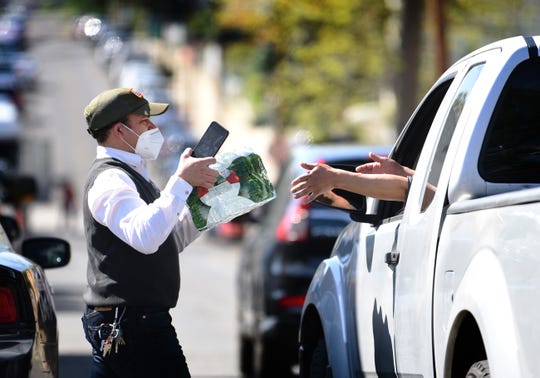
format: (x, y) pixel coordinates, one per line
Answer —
(57, 147)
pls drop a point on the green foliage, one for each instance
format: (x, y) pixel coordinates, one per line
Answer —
(474, 23)
(86, 6)
(202, 25)
(304, 62)
(319, 58)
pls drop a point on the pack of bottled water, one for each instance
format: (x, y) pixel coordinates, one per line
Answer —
(241, 187)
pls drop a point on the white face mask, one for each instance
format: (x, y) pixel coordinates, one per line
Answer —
(149, 143)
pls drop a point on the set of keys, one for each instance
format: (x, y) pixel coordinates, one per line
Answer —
(111, 335)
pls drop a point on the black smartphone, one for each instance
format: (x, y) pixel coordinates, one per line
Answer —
(211, 141)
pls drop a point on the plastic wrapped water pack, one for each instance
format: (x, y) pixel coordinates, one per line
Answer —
(242, 186)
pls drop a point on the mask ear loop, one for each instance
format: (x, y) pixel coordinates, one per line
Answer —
(123, 140)
(129, 128)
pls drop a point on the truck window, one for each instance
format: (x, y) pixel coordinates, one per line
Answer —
(452, 119)
(411, 140)
(511, 149)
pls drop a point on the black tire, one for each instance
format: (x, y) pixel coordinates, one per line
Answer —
(319, 366)
(265, 361)
(246, 357)
(479, 369)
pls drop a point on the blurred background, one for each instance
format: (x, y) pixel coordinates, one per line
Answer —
(278, 74)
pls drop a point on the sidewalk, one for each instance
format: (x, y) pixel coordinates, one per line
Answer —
(48, 218)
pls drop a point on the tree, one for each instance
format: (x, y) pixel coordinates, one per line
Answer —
(305, 62)
(438, 17)
(407, 82)
(319, 58)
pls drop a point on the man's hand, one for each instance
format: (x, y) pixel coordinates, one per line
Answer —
(196, 171)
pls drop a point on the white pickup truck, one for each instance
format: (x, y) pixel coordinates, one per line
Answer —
(451, 288)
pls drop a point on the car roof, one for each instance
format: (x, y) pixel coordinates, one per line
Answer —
(15, 261)
(8, 257)
(336, 152)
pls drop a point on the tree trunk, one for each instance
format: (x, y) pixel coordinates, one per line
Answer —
(406, 82)
(438, 15)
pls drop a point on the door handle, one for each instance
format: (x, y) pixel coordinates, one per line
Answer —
(391, 258)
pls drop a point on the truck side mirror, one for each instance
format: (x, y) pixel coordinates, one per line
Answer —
(352, 203)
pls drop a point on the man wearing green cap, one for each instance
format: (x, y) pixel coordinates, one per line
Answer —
(134, 233)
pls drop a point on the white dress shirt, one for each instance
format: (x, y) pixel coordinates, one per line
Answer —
(115, 203)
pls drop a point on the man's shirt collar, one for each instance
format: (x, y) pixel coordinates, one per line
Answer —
(131, 159)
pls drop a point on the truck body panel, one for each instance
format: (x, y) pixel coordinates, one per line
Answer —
(445, 283)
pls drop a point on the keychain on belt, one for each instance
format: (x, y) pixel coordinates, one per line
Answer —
(114, 338)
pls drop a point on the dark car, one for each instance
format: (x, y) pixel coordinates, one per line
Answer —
(13, 30)
(28, 329)
(19, 69)
(279, 257)
(10, 84)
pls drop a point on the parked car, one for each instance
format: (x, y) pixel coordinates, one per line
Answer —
(28, 327)
(10, 131)
(280, 255)
(141, 76)
(130, 53)
(10, 83)
(233, 230)
(13, 30)
(21, 66)
(109, 45)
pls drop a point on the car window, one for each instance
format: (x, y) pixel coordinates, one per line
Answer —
(4, 240)
(511, 149)
(323, 221)
(411, 140)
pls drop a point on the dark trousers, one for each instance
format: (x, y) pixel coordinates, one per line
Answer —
(151, 346)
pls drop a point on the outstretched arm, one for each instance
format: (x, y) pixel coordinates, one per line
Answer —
(385, 165)
(382, 164)
(321, 178)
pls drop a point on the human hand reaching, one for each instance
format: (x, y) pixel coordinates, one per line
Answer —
(384, 165)
(318, 179)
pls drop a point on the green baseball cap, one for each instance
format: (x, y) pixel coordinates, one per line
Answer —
(116, 104)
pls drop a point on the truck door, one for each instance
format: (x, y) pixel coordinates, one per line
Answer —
(419, 230)
(378, 256)
(395, 280)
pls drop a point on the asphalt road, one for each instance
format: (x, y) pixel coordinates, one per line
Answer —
(58, 147)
